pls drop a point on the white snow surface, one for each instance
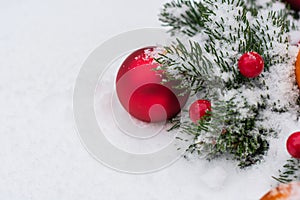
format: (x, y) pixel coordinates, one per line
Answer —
(42, 47)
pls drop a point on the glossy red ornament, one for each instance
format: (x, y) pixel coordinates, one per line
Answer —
(293, 145)
(295, 4)
(141, 92)
(251, 64)
(198, 109)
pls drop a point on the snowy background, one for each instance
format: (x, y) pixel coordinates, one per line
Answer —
(42, 47)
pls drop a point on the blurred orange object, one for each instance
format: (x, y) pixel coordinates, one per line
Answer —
(289, 191)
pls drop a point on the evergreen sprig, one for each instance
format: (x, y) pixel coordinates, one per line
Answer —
(234, 127)
(189, 64)
(290, 171)
(249, 35)
(190, 21)
(226, 132)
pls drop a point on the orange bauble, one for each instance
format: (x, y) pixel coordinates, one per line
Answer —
(298, 69)
(289, 191)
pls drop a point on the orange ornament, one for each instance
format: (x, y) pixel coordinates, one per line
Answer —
(289, 191)
(298, 69)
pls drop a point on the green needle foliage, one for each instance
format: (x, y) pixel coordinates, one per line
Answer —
(290, 172)
(189, 22)
(226, 29)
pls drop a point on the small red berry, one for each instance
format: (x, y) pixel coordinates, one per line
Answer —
(251, 64)
(293, 145)
(198, 109)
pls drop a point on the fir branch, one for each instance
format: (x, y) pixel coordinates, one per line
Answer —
(228, 134)
(248, 36)
(188, 22)
(233, 128)
(244, 146)
(243, 138)
(290, 172)
(188, 64)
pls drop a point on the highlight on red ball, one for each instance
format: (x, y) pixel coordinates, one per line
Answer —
(199, 109)
(251, 64)
(141, 91)
(293, 145)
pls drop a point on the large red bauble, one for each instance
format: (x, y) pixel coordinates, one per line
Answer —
(198, 109)
(295, 4)
(141, 92)
(251, 64)
(293, 145)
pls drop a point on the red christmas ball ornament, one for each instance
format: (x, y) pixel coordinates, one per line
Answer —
(198, 109)
(293, 145)
(251, 64)
(141, 92)
(295, 4)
